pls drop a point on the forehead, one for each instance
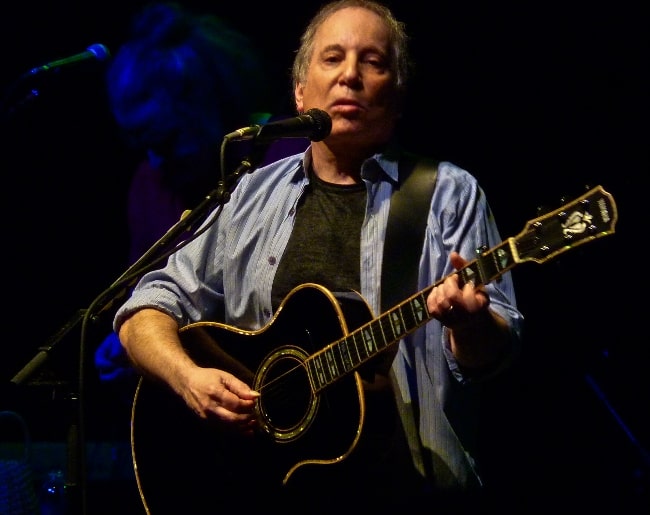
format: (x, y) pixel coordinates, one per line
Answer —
(353, 26)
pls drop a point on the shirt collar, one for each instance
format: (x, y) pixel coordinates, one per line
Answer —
(386, 161)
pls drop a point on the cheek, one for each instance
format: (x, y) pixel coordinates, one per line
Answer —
(383, 93)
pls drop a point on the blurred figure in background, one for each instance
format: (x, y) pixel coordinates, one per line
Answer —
(175, 88)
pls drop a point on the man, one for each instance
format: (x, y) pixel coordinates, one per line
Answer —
(320, 218)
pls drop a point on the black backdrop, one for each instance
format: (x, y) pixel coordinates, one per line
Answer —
(538, 101)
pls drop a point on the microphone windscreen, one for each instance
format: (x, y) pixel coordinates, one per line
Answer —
(100, 51)
(322, 124)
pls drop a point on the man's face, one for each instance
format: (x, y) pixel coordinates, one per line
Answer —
(350, 77)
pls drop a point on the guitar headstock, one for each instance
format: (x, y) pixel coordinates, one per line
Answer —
(591, 216)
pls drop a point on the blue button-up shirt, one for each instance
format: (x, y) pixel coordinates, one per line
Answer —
(226, 275)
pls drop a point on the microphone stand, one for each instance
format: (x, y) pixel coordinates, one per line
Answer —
(217, 198)
(11, 104)
(76, 467)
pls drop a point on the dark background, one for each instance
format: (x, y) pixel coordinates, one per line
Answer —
(537, 100)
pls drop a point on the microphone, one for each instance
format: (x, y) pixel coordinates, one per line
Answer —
(95, 52)
(314, 124)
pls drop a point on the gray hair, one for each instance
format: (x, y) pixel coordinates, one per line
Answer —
(400, 62)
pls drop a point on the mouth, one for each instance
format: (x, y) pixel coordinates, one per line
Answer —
(346, 107)
(346, 102)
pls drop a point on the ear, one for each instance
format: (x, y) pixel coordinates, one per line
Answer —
(298, 95)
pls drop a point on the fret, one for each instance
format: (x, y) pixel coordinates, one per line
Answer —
(391, 325)
(471, 273)
(360, 345)
(355, 346)
(503, 259)
(487, 266)
(385, 340)
(418, 312)
(345, 355)
(330, 359)
(396, 322)
(490, 267)
(368, 337)
(408, 313)
(317, 373)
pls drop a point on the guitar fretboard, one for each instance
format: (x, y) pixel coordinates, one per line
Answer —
(350, 352)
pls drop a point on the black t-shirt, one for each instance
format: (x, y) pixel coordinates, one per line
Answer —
(325, 245)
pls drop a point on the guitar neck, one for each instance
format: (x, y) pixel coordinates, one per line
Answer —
(588, 217)
(350, 352)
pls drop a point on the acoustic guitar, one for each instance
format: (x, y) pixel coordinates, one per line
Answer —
(306, 364)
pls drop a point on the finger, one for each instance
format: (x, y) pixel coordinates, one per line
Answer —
(438, 303)
(233, 417)
(449, 316)
(239, 388)
(457, 261)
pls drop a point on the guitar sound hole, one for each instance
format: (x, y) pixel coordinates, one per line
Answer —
(286, 394)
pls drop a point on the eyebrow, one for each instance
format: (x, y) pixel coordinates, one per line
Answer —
(366, 49)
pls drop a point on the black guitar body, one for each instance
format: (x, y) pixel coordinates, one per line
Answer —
(188, 465)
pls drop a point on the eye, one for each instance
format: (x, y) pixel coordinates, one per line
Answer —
(375, 61)
(332, 57)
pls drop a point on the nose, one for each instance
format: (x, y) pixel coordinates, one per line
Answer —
(350, 74)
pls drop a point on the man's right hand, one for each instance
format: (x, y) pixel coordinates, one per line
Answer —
(214, 393)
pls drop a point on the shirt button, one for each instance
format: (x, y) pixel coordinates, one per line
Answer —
(272, 260)
(292, 211)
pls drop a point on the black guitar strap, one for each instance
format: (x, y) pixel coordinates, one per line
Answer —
(407, 220)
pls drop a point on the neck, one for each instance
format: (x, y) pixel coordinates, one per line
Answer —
(338, 167)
